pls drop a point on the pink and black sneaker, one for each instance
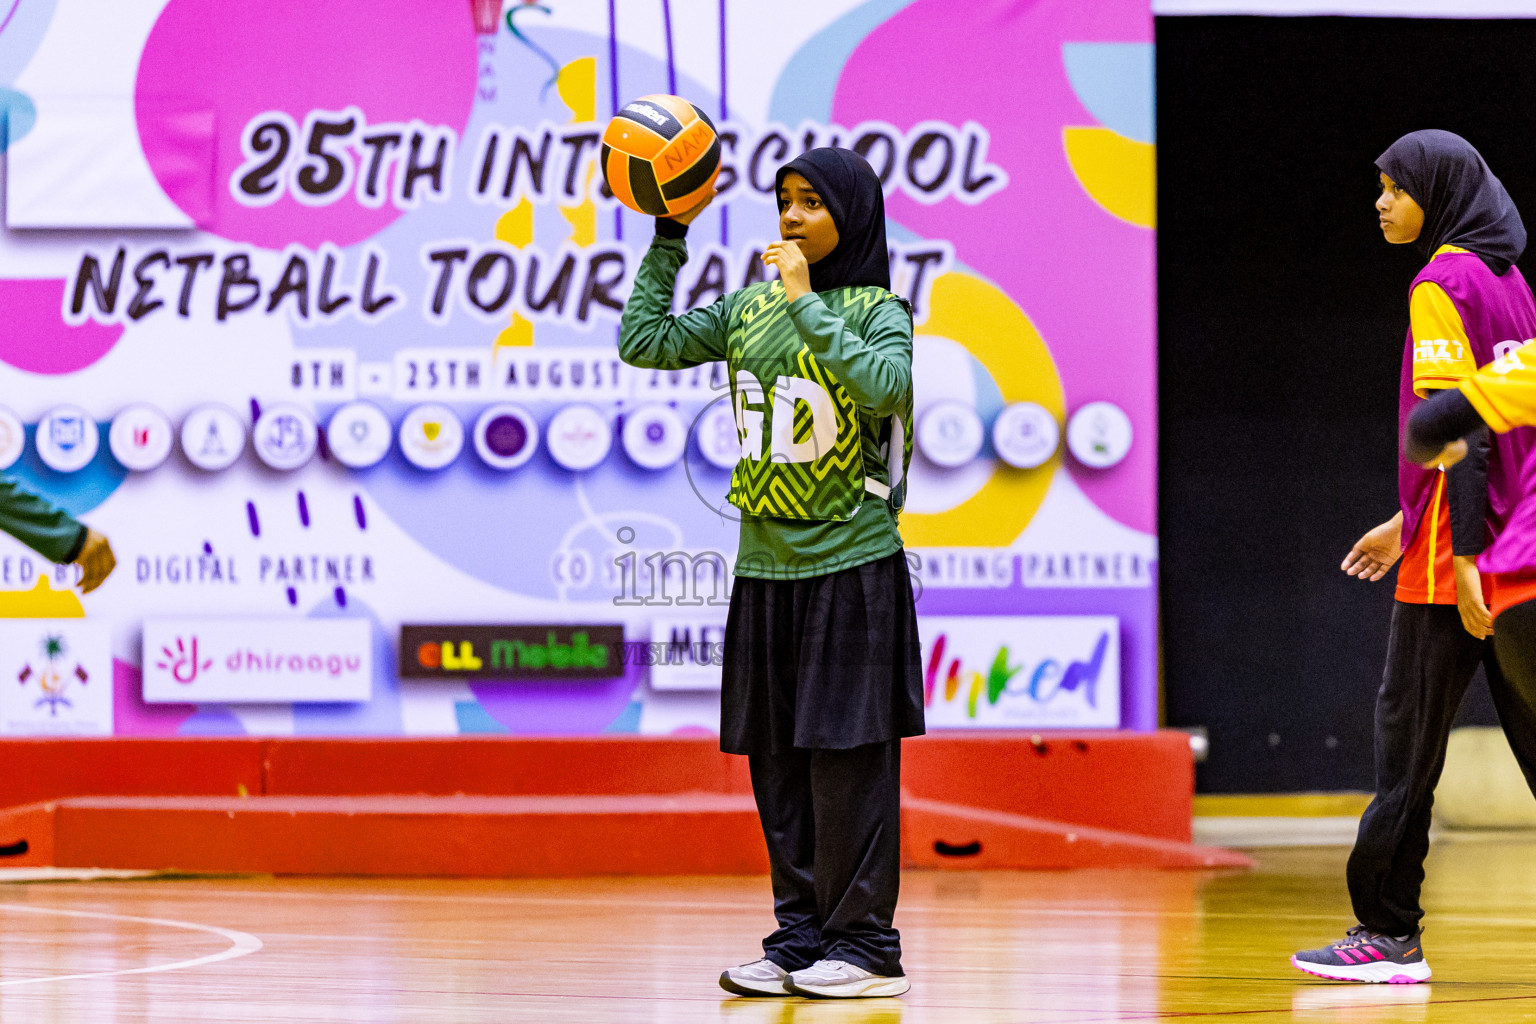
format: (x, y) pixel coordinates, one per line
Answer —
(1362, 956)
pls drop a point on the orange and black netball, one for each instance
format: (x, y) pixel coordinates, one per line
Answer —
(660, 155)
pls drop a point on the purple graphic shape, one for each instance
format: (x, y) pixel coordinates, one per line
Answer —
(293, 596)
(132, 717)
(303, 511)
(533, 708)
(666, 24)
(358, 513)
(506, 436)
(250, 515)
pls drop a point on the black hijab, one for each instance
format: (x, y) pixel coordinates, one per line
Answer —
(1464, 204)
(851, 190)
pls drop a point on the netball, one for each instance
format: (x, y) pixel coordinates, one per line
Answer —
(660, 155)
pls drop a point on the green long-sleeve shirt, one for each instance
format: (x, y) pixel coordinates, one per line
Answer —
(37, 523)
(875, 370)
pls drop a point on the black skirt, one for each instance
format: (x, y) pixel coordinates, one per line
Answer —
(828, 662)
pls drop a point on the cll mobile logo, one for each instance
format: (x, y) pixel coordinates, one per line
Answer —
(185, 664)
(511, 652)
(1049, 680)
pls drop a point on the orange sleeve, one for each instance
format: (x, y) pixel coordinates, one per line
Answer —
(1504, 391)
(1442, 353)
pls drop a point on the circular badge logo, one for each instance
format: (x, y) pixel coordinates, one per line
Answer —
(1025, 435)
(141, 438)
(506, 436)
(67, 439)
(950, 434)
(654, 437)
(285, 437)
(717, 437)
(212, 437)
(1099, 434)
(359, 435)
(13, 438)
(579, 437)
(431, 436)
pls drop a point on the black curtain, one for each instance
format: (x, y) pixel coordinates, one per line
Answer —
(1282, 313)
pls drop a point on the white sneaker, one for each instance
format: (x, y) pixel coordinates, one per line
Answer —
(758, 978)
(836, 979)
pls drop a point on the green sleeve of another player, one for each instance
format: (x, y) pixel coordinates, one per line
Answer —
(876, 369)
(649, 335)
(37, 523)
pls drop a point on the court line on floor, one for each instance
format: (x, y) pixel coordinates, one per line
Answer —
(1174, 1015)
(242, 944)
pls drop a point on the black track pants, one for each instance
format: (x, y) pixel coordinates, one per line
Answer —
(832, 819)
(1430, 660)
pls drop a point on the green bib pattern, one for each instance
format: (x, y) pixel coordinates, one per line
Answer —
(808, 452)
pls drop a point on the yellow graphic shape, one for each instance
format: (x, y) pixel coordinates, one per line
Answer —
(1119, 173)
(515, 227)
(577, 86)
(41, 602)
(996, 332)
(583, 218)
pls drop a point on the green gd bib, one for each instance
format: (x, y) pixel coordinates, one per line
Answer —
(807, 451)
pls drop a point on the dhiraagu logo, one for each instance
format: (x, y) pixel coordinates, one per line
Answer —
(1022, 671)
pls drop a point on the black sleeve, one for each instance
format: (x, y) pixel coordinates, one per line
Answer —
(77, 547)
(1466, 485)
(666, 227)
(1439, 420)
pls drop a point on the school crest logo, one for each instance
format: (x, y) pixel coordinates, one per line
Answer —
(56, 677)
(53, 674)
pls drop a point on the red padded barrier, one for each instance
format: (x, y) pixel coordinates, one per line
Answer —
(498, 766)
(1142, 783)
(540, 806)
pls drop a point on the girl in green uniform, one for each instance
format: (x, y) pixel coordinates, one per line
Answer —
(822, 664)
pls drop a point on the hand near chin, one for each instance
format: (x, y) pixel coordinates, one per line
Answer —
(786, 258)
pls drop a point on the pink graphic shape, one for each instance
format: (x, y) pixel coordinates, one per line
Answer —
(1085, 278)
(34, 336)
(131, 716)
(210, 66)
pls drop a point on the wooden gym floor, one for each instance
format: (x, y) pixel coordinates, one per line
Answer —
(982, 947)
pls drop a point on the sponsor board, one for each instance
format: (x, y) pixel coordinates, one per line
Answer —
(55, 677)
(685, 653)
(508, 652)
(1021, 671)
(257, 661)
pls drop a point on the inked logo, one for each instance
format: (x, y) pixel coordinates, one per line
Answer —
(1048, 681)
